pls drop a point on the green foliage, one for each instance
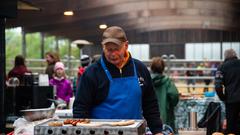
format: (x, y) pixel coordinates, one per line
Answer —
(13, 43)
(76, 52)
(33, 45)
(63, 49)
(49, 44)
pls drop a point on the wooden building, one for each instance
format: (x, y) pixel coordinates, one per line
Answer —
(164, 24)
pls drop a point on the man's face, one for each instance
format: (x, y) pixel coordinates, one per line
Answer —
(115, 53)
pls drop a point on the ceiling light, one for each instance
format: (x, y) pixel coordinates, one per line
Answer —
(68, 13)
(102, 26)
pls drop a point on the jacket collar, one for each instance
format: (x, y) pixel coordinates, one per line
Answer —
(110, 65)
(233, 58)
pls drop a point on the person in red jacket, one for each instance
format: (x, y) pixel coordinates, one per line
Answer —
(85, 62)
(19, 69)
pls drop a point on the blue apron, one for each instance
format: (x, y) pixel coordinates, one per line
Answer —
(124, 100)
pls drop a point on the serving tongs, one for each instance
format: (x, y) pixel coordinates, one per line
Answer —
(60, 104)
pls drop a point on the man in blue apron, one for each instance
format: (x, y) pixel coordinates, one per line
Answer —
(117, 86)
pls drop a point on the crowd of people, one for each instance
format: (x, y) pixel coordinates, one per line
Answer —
(205, 69)
(115, 79)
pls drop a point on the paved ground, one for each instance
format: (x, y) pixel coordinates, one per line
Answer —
(201, 132)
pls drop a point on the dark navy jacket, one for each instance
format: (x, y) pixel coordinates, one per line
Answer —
(94, 85)
(228, 75)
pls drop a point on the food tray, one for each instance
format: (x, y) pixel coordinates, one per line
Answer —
(138, 128)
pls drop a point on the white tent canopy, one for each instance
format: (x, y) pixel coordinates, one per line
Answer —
(81, 42)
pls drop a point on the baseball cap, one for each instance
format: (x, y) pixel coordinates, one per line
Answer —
(85, 59)
(114, 34)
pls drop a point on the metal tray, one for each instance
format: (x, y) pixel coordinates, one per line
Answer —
(38, 114)
(138, 128)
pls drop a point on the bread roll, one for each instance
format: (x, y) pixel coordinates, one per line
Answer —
(55, 124)
(123, 123)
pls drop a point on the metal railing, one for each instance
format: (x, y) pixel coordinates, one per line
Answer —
(39, 66)
(172, 65)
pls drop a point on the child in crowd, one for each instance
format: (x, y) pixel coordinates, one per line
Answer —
(64, 89)
(85, 62)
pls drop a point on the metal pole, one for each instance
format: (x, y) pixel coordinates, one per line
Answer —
(57, 44)
(69, 57)
(24, 43)
(221, 50)
(2, 75)
(168, 65)
(42, 46)
(221, 46)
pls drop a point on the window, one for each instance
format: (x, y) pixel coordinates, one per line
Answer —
(139, 51)
(209, 50)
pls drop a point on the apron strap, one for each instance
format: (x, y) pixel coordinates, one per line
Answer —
(105, 69)
(134, 68)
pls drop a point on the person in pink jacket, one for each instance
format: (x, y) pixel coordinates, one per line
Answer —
(64, 89)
